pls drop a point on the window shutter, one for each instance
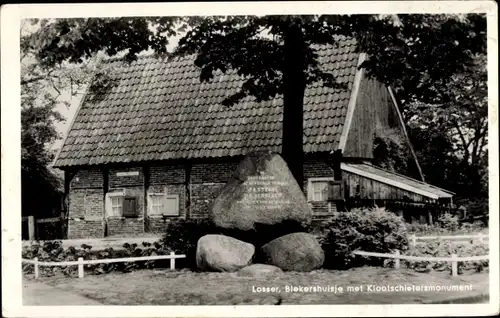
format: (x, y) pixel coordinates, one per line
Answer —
(130, 207)
(335, 190)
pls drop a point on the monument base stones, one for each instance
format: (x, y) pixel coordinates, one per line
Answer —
(223, 253)
(260, 270)
(299, 252)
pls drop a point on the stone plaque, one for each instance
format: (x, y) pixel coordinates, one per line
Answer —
(264, 192)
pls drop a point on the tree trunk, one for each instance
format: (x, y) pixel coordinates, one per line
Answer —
(294, 84)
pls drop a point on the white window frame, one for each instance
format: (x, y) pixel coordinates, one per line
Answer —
(311, 193)
(166, 197)
(109, 204)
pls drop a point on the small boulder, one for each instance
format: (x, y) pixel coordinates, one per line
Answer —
(262, 191)
(299, 252)
(259, 270)
(222, 253)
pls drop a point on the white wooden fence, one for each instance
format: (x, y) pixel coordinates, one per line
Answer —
(80, 262)
(453, 259)
(475, 238)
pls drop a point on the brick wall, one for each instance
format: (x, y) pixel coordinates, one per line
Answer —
(202, 195)
(169, 180)
(118, 226)
(206, 181)
(85, 204)
(131, 185)
(87, 178)
(85, 228)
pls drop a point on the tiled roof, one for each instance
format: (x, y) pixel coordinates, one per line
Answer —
(396, 180)
(159, 110)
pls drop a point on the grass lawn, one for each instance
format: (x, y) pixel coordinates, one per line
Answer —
(165, 287)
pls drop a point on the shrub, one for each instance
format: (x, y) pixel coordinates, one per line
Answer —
(373, 230)
(52, 251)
(182, 235)
(449, 222)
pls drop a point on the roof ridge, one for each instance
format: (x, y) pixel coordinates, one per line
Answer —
(171, 56)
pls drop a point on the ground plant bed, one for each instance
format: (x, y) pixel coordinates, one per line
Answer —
(183, 287)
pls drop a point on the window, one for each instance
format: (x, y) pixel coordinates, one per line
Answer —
(163, 204)
(116, 205)
(119, 205)
(324, 189)
(319, 191)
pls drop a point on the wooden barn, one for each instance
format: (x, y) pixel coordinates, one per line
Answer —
(157, 144)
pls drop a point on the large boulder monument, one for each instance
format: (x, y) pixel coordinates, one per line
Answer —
(262, 191)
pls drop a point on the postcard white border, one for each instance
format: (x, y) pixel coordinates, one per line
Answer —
(10, 98)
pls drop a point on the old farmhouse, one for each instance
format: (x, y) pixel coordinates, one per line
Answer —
(157, 144)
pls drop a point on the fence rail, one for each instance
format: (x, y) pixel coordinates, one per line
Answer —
(454, 259)
(474, 237)
(80, 262)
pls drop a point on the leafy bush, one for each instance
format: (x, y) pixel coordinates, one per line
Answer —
(449, 222)
(52, 251)
(373, 230)
(182, 235)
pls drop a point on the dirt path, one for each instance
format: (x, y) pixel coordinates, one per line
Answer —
(40, 294)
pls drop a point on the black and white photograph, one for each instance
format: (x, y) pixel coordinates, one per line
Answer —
(249, 158)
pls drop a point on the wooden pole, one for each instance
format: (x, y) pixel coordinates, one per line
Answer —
(397, 262)
(172, 260)
(31, 227)
(413, 240)
(454, 265)
(37, 272)
(80, 267)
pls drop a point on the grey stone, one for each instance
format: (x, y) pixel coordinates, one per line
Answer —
(262, 191)
(294, 252)
(222, 253)
(259, 270)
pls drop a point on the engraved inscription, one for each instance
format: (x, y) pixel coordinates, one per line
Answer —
(264, 192)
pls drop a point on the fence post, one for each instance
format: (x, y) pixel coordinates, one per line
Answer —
(172, 260)
(80, 267)
(31, 227)
(397, 264)
(454, 265)
(37, 271)
(413, 240)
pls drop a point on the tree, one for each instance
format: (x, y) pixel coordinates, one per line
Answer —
(277, 54)
(42, 90)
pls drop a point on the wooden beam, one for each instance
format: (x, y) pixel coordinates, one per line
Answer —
(352, 103)
(146, 171)
(31, 227)
(188, 190)
(105, 189)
